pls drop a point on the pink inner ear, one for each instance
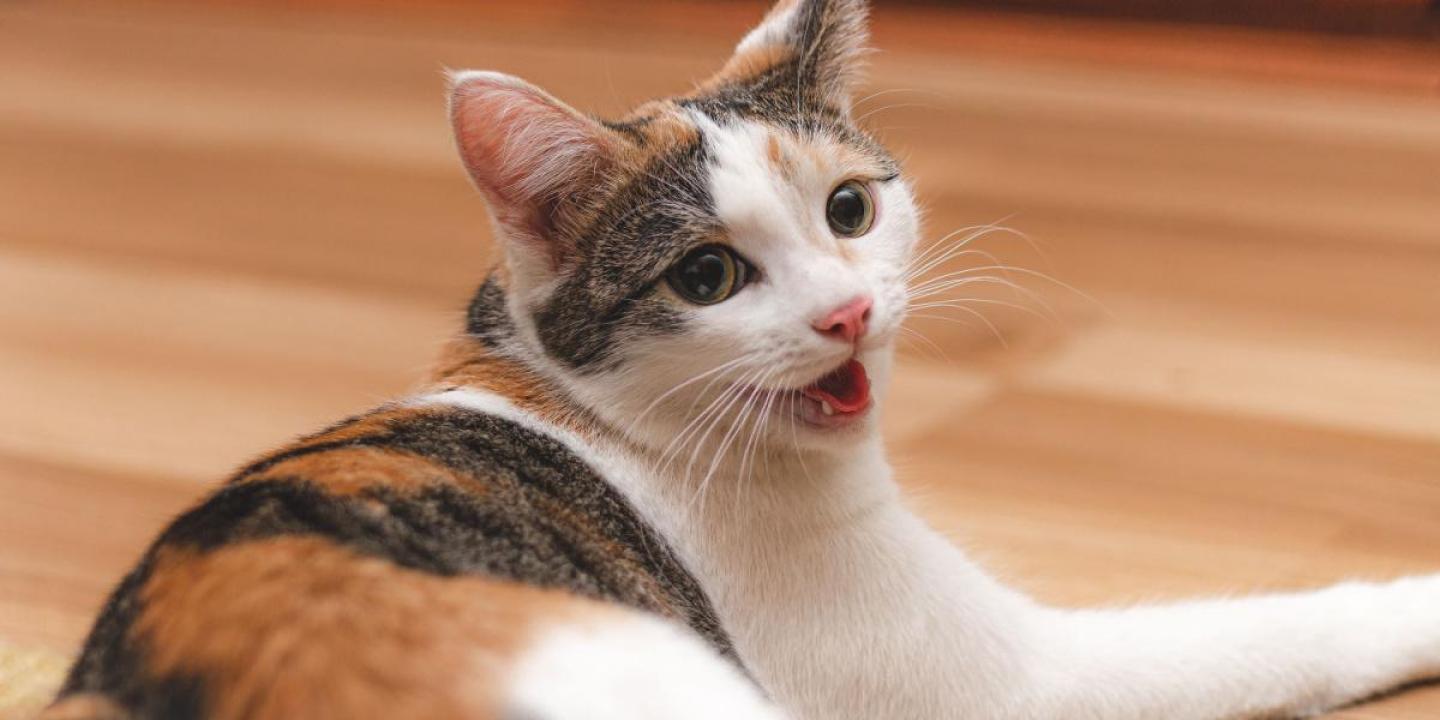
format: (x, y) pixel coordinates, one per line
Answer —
(524, 149)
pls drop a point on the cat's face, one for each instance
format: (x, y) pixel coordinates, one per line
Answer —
(736, 253)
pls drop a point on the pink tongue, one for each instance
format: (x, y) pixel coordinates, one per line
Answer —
(847, 389)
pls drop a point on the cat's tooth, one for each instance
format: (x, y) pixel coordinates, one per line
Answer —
(826, 408)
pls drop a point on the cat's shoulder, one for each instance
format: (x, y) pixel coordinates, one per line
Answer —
(436, 494)
(454, 482)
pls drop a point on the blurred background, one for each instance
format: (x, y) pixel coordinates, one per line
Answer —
(224, 224)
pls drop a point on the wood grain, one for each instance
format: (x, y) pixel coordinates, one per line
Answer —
(224, 225)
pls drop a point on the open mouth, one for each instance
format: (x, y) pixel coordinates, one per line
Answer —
(839, 398)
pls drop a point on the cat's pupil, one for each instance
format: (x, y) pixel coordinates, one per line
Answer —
(705, 274)
(708, 274)
(849, 210)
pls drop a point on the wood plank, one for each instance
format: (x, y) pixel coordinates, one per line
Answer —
(222, 225)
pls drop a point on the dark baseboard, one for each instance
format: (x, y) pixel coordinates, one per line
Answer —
(1403, 18)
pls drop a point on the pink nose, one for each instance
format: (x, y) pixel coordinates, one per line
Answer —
(846, 322)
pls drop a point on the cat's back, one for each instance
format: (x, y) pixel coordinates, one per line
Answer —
(390, 565)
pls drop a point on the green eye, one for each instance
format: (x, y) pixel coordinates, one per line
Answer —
(708, 274)
(850, 210)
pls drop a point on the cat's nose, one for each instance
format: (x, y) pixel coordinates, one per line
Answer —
(846, 322)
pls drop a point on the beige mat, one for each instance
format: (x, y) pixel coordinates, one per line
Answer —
(29, 678)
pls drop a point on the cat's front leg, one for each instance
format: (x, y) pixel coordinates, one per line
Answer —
(1288, 655)
(883, 617)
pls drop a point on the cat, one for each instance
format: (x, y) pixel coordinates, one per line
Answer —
(646, 480)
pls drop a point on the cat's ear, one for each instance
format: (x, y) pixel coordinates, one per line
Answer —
(534, 157)
(812, 49)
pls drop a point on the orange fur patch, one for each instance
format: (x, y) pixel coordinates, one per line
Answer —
(666, 127)
(297, 627)
(465, 362)
(351, 470)
(781, 160)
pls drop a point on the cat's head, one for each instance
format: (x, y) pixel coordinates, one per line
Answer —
(738, 248)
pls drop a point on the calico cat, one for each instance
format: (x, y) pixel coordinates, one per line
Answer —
(646, 480)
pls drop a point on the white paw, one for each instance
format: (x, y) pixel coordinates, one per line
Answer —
(1399, 630)
(1416, 608)
(640, 668)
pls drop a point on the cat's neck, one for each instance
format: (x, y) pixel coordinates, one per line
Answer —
(491, 356)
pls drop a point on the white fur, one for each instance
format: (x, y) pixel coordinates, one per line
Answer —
(638, 668)
(775, 30)
(845, 605)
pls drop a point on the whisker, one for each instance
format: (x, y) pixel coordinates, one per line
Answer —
(892, 91)
(943, 250)
(719, 455)
(952, 283)
(649, 408)
(677, 444)
(946, 318)
(982, 301)
(916, 334)
(893, 106)
(752, 445)
(735, 392)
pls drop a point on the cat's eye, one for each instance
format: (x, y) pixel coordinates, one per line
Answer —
(850, 209)
(708, 274)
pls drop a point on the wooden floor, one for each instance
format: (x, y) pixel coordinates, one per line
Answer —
(222, 226)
